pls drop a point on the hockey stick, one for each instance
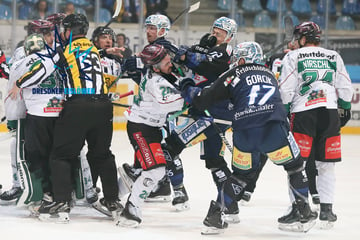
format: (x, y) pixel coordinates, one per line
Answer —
(190, 9)
(221, 134)
(116, 13)
(289, 29)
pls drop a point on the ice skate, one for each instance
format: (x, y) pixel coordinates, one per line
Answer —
(109, 208)
(315, 202)
(245, 199)
(299, 219)
(215, 220)
(162, 193)
(50, 211)
(181, 199)
(128, 175)
(11, 196)
(91, 195)
(130, 217)
(327, 217)
(232, 213)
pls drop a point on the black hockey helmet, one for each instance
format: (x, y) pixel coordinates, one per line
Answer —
(39, 26)
(152, 54)
(310, 30)
(78, 23)
(100, 31)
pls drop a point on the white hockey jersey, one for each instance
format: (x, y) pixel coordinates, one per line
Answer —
(156, 98)
(41, 98)
(313, 77)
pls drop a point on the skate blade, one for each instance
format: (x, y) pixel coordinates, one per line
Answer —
(158, 199)
(297, 226)
(34, 210)
(180, 207)
(232, 218)
(124, 222)
(100, 208)
(326, 225)
(61, 217)
(212, 231)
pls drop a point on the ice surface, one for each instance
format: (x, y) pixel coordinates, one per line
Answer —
(160, 221)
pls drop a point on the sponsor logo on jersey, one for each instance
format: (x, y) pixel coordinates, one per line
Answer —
(281, 155)
(315, 97)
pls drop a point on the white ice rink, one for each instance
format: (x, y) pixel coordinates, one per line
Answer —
(160, 221)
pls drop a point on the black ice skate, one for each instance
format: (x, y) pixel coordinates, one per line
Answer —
(162, 193)
(50, 211)
(109, 208)
(128, 176)
(11, 195)
(299, 219)
(91, 195)
(130, 217)
(181, 199)
(232, 213)
(215, 220)
(327, 217)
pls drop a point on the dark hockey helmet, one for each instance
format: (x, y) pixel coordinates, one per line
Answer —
(310, 30)
(101, 31)
(34, 43)
(78, 23)
(56, 18)
(39, 26)
(152, 54)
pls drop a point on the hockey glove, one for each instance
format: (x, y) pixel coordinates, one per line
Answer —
(345, 115)
(167, 45)
(208, 41)
(185, 83)
(181, 51)
(189, 93)
(133, 64)
(199, 49)
(11, 124)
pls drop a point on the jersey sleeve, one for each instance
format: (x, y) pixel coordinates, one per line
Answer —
(343, 84)
(288, 78)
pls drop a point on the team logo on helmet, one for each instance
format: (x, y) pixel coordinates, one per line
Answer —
(251, 52)
(34, 43)
(159, 21)
(227, 24)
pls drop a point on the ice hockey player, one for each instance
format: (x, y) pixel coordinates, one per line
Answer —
(156, 98)
(259, 125)
(317, 91)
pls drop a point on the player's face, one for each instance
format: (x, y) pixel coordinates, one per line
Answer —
(120, 41)
(104, 41)
(165, 65)
(49, 38)
(151, 33)
(219, 34)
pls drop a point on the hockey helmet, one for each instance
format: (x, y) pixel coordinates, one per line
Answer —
(152, 54)
(251, 52)
(39, 26)
(310, 30)
(159, 21)
(56, 18)
(101, 31)
(34, 43)
(78, 23)
(227, 24)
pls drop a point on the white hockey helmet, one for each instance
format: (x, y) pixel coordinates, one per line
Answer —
(227, 24)
(251, 52)
(34, 43)
(159, 21)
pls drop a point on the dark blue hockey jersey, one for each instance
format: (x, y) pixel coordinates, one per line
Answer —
(254, 92)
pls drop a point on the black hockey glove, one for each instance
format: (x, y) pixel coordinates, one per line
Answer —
(208, 41)
(185, 83)
(167, 45)
(345, 115)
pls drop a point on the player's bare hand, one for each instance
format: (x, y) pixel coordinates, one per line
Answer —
(115, 51)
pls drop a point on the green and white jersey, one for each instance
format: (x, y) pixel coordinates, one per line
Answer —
(313, 77)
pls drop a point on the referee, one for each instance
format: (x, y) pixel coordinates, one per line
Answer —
(86, 116)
